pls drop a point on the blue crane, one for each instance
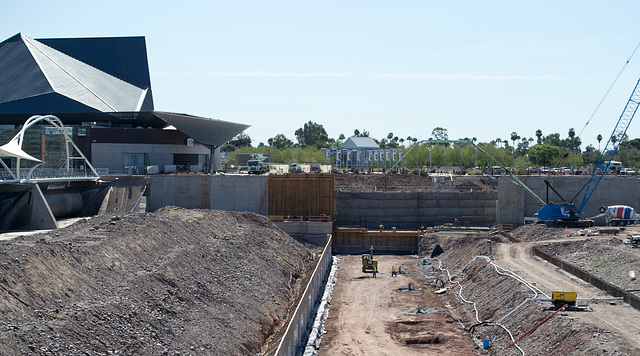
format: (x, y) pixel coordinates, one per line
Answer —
(567, 211)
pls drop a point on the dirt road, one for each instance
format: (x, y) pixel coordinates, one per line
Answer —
(364, 317)
(620, 318)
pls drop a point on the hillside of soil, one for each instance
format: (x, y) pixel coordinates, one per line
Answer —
(172, 282)
(609, 259)
(495, 303)
(373, 182)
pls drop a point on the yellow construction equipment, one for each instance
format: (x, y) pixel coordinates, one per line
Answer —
(560, 298)
(368, 263)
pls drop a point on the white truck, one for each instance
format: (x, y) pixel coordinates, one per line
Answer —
(619, 215)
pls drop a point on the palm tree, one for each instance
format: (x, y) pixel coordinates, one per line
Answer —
(599, 138)
(539, 136)
(514, 138)
(572, 135)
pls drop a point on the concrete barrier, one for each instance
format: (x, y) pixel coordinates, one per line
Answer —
(293, 340)
(514, 204)
(629, 298)
(208, 191)
(411, 211)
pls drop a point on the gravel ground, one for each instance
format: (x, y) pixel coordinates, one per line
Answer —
(609, 259)
(172, 282)
(495, 294)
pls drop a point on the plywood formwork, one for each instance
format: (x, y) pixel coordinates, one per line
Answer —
(304, 196)
(359, 240)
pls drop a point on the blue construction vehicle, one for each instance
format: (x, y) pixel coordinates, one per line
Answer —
(566, 213)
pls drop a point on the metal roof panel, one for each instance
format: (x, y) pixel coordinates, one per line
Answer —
(204, 130)
(20, 75)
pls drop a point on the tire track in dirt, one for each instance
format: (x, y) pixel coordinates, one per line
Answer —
(621, 318)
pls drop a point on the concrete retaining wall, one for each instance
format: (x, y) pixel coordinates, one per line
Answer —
(410, 211)
(199, 191)
(314, 232)
(294, 338)
(406, 211)
(514, 203)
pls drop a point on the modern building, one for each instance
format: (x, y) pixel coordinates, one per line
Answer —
(100, 88)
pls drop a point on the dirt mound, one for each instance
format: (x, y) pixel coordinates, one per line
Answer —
(539, 232)
(171, 282)
(364, 182)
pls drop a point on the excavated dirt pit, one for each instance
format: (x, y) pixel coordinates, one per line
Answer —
(486, 299)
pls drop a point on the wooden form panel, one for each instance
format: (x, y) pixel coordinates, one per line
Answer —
(359, 240)
(301, 195)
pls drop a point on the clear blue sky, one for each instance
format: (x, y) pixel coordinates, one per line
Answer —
(477, 68)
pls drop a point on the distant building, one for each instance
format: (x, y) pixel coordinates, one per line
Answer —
(100, 88)
(357, 152)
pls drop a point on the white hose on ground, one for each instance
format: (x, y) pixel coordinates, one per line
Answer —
(512, 339)
(506, 272)
(317, 330)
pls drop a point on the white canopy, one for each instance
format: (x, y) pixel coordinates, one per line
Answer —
(12, 149)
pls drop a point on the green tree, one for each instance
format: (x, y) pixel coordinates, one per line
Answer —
(590, 154)
(552, 139)
(514, 137)
(312, 134)
(241, 140)
(280, 141)
(539, 136)
(440, 134)
(544, 155)
(599, 138)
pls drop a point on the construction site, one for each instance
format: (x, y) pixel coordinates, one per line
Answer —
(174, 255)
(291, 273)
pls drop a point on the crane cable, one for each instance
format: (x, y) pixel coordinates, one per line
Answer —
(611, 87)
(601, 101)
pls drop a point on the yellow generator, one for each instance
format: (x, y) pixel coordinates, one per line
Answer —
(560, 298)
(368, 263)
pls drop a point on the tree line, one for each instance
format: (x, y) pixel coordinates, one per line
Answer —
(551, 150)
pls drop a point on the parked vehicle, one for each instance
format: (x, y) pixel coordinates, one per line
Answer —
(627, 171)
(619, 215)
(255, 166)
(614, 167)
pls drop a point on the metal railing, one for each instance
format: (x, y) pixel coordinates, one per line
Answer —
(35, 175)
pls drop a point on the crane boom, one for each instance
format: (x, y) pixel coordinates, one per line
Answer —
(611, 148)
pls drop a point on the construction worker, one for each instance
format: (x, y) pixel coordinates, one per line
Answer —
(375, 270)
(393, 271)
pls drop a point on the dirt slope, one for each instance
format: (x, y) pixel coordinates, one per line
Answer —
(496, 293)
(171, 282)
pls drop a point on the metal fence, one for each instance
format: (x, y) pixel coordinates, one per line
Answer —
(293, 341)
(629, 298)
(46, 174)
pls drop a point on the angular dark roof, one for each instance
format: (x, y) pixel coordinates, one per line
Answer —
(30, 70)
(103, 79)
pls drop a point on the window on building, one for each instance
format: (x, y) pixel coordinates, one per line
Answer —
(138, 160)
